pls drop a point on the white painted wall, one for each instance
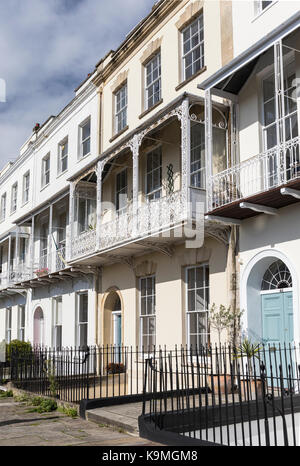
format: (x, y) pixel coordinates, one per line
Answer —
(249, 28)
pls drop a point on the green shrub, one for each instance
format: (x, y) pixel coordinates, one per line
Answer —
(6, 394)
(36, 401)
(68, 410)
(43, 405)
(18, 346)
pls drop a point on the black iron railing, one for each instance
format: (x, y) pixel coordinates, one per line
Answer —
(75, 374)
(220, 396)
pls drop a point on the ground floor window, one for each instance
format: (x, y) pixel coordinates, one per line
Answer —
(147, 312)
(57, 322)
(197, 303)
(21, 323)
(8, 325)
(82, 319)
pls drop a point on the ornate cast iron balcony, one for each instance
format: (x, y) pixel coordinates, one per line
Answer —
(258, 180)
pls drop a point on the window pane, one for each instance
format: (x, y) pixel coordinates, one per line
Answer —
(83, 308)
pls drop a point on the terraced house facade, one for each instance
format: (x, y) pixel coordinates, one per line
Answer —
(121, 219)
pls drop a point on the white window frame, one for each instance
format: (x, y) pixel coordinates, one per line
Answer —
(199, 172)
(199, 45)
(3, 207)
(258, 6)
(57, 325)
(87, 121)
(151, 84)
(21, 328)
(157, 192)
(26, 187)
(92, 212)
(45, 181)
(8, 324)
(123, 191)
(121, 110)
(80, 324)
(147, 316)
(14, 198)
(188, 312)
(22, 253)
(61, 158)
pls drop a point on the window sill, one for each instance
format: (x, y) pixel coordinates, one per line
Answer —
(119, 133)
(150, 109)
(44, 187)
(83, 157)
(24, 204)
(186, 81)
(62, 173)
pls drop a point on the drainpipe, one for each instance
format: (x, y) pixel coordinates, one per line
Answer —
(233, 250)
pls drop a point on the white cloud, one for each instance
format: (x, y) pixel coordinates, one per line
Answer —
(47, 49)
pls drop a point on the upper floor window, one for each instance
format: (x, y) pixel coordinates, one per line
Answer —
(14, 196)
(46, 170)
(261, 5)
(193, 48)
(121, 190)
(85, 138)
(3, 207)
(154, 174)
(26, 183)
(121, 109)
(290, 107)
(197, 155)
(153, 81)
(63, 149)
(23, 247)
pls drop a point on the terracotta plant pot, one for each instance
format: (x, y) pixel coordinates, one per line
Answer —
(222, 383)
(250, 389)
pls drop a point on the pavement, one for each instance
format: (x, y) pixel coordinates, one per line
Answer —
(19, 427)
(123, 416)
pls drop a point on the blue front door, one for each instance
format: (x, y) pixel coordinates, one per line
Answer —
(277, 318)
(277, 331)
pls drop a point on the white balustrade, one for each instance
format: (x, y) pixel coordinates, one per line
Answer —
(270, 169)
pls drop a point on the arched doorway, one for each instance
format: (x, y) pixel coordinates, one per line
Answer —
(38, 327)
(277, 304)
(113, 320)
(270, 272)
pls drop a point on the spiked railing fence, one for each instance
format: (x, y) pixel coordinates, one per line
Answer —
(220, 396)
(80, 373)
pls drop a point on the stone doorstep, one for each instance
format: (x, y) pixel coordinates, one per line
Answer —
(109, 418)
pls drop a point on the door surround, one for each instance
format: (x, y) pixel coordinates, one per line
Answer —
(250, 291)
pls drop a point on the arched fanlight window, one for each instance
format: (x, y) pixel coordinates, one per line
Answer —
(276, 277)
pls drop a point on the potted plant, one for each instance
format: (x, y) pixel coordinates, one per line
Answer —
(250, 383)
(221, 319)
(115, 368)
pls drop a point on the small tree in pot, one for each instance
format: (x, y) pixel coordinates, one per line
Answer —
(249, 352)
(222, 318)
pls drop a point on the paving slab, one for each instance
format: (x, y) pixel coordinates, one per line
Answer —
(124, 416)
(18, 427)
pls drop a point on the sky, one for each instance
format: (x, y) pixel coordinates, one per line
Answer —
(47, 48)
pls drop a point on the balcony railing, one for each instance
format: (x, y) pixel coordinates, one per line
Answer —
(152, 217)
(84, 244)
(270, 169)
